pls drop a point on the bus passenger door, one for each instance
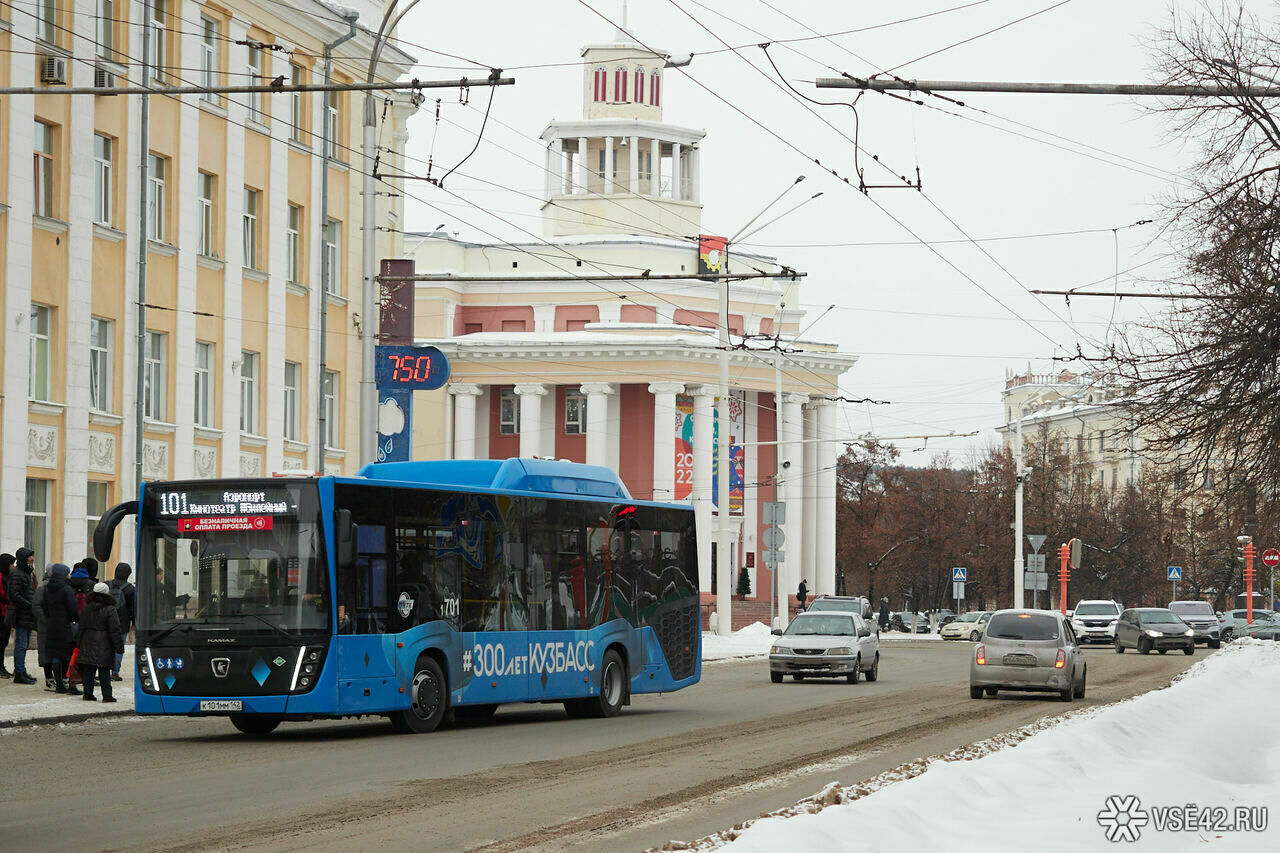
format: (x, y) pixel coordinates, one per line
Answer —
(495, 610)
(364, 649)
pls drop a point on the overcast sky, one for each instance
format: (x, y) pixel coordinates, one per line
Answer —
(930, 341)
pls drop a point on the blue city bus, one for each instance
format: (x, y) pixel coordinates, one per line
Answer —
(416, 591)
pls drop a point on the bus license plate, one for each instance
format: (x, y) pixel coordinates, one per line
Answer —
(221, 705)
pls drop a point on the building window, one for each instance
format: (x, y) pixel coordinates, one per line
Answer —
(575, 413)
(291, 244)
(513, 326)
(331, 110)
(253, 100)
(250, 229)
(639, 93)
(100, 364)
(508, 413)
(1180, 479)
(157, 57)
(102, 151)
(95, 508)
(35, 528)
(204, 384)
(204, 212)
(292, 418)
(600, 79)
(44, 169)
(295, 103)
(209, 58)
(620, 85)
(332, 240)
(40, 328)
(1102, 440)
(654, 86)
(331, 431)
(156, 198)
(249, 392)
(107, 29)
(154, 380)
(472, 328)
(46, 20)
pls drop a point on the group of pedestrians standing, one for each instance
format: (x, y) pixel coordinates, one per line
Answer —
(72, 614)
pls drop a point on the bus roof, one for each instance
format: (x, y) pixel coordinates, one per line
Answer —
(506, 475)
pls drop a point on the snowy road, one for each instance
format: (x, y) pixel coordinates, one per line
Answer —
(678, 766)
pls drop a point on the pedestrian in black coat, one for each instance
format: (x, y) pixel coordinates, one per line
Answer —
(884, 614)
(100, 641)
(60, 614)
(21, 590)
(802, 593)
(128, 613)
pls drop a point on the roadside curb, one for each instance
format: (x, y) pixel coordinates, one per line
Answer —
(66, 718)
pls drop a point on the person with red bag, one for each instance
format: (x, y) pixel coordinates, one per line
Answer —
(60, 616)
(100, 641)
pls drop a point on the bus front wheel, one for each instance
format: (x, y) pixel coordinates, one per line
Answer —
(254, 725)
(428, 701)
(613, 687)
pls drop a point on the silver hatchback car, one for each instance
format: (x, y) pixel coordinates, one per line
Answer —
(1028, 650)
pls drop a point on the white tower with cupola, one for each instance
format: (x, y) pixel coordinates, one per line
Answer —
(621, 169)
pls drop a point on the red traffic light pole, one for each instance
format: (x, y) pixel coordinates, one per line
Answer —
(1248, 582)
(1064, 575)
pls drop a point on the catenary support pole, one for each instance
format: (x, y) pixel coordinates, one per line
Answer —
(1019, 596)
(144, 153)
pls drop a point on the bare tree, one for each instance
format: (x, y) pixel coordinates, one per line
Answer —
(1203, 377)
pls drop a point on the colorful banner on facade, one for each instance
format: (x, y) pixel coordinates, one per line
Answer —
(737, 459)
(711, 254)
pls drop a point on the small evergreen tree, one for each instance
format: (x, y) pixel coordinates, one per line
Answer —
(744, 582)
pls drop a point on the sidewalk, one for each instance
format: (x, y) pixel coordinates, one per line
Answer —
(31, 704)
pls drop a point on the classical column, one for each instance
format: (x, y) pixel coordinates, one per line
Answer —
(824, 504)
(608, 165)
(557, 167)
(598, 394)
(581, 165)
(664, 438)
(655, 167)
(675, 171)
(548, 180)
(792, 568)
(464, 418)
(809, 485)
(633, 164)
(703, 414)
(695, 174)
(531, 395)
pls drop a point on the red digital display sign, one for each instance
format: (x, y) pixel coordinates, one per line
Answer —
(410, 368)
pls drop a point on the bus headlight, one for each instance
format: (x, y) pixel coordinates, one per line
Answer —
(306, 668)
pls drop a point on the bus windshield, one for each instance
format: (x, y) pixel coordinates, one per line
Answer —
(248, 557)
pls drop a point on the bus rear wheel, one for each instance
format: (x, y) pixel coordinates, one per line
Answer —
(613, 687)
(428, 701)
(254, 725)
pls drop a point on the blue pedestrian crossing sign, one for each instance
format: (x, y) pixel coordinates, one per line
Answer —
(959, 574)
(1175, 573)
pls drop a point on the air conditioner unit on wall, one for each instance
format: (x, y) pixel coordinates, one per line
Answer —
(102, 78)
(53, 69)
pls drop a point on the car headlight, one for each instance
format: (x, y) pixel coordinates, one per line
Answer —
(842, 650)
(1151, 633)
(1190, 632)
(777, 650)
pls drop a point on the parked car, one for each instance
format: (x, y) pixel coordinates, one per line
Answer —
(943, 616)
(825, 645)
(967, 626)
(1239, 620)
(1147, 628)
(1028, 650)
(1200, 617)
(909, 623)
(844, 604)
(1262, 631)
(1094, 621)
(1226, 627)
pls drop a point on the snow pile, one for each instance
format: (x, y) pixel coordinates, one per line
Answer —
(1201, 741)
(751, 641)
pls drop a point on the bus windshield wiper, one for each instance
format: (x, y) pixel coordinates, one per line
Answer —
(190, 626)
(275, 628)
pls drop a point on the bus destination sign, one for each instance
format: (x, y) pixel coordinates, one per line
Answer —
(227, 505)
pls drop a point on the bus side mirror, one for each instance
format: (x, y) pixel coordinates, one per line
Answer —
(105, 533)
(344, 536)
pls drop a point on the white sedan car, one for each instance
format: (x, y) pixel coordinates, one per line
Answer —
(825, 645)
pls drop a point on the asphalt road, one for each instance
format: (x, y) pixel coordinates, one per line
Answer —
(669, 767)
